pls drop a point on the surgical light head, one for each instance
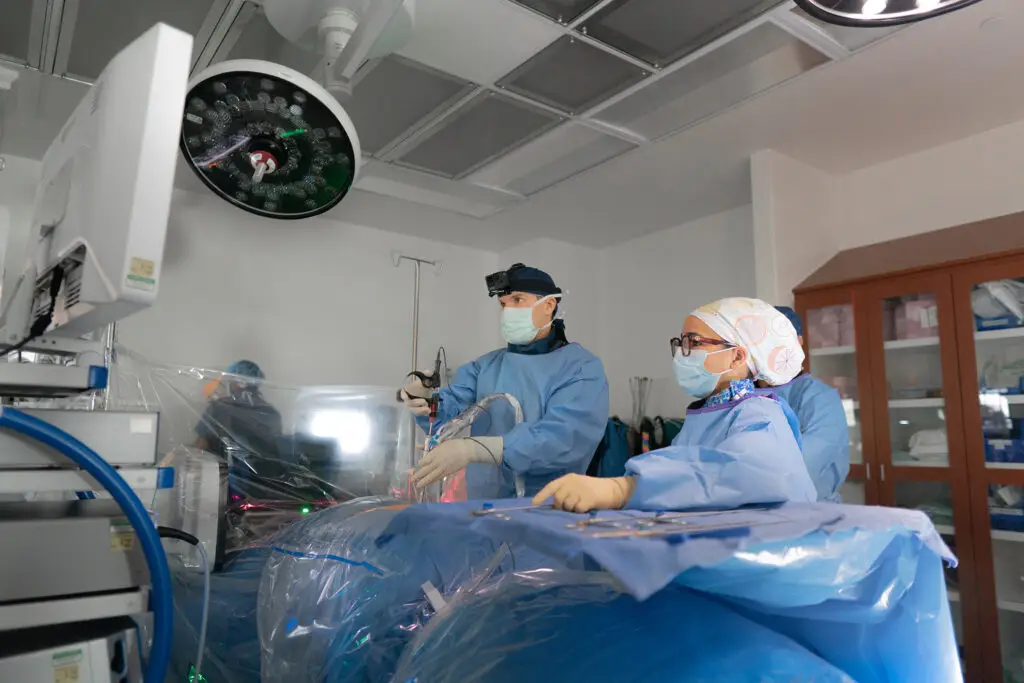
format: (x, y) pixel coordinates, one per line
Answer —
(269, 140)
(866, 13)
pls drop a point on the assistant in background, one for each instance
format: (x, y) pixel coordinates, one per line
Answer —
(823, 428)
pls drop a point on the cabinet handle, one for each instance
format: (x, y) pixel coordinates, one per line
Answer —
(882, 467)
(867, 470)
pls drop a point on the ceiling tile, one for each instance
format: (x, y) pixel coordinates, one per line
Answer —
(396, 96)
(662, 31)
(259, 40)
(14, 29)
(753, 62)
(572, 76)
(562, 11)
(478, 40)
(560, 154)
(104, 27)
(481, 130)
(426, 188)
(850, 37)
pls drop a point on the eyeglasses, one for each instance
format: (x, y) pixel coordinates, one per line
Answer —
(691, 340)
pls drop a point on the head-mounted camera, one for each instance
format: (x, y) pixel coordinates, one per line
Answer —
(500, 283)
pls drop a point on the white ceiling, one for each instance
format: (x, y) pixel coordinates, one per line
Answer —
(933, 83)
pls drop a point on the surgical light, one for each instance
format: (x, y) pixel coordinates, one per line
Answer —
(873, 7)
(350, 428)
(865, 13)
(269, 140)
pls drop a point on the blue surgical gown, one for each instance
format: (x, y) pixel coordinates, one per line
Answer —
(564, 397)
(737, 453)
(823, 429)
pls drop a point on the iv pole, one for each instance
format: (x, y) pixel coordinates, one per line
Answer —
(396, 258)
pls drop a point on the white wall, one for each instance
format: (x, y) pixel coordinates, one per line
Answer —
(795, 219)
(316, 302)
(968, 180)
(803, 216)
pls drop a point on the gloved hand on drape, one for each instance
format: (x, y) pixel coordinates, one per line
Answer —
(453, 456)
(580, 493)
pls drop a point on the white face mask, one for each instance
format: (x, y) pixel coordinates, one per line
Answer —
(517, 323)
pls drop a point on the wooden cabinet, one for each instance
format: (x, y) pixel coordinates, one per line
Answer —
(929, 360)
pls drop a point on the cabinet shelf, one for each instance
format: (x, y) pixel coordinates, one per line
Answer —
(917, 403)
(833, 351)
(893, 345)
(1011, 536)
(995, 335)
(899, 344)
(1010, 606)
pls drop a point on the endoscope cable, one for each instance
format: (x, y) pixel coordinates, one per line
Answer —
(178, 535)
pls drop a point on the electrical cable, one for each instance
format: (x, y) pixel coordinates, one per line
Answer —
(179, 535)
(444, 354)
(138, 642)
(489, 451)
(161, 596)
(40, 325)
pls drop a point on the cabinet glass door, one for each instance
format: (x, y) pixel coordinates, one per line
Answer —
(830, 337)
(917, 418)
(916, 412)
(993, 323)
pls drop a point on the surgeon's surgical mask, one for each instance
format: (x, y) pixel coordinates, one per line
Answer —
(691, 374)
(517, 323)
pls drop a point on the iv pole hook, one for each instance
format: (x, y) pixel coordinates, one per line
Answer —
(396, 259)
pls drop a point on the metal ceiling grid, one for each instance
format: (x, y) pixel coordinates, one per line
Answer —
(236, 28)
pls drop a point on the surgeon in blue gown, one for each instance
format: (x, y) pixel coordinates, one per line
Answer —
(561, 387)
(823, 428)
(737, 446)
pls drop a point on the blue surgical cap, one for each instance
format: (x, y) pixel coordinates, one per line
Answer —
(531, 281)
(245, 368)
(798, 324)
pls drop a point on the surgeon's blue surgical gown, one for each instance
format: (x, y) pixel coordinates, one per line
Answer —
(823, 430)
(737, 453)
(564, 397)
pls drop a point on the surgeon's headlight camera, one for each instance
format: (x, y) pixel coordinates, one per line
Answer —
(879, 12)
(269, 140)
(500, 283)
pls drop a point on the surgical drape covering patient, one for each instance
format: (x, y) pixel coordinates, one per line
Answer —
(736, 447)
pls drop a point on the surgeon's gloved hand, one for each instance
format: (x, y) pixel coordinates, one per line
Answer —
(580, 493)
(453, 456)
(414, 395)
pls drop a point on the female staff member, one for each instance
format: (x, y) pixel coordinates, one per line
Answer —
(736, 447)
